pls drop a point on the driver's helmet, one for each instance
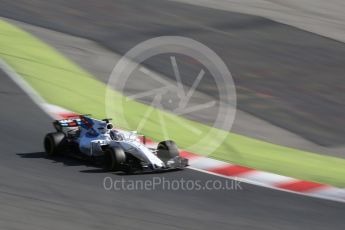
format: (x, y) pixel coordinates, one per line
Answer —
(101, 127)
(117, 136)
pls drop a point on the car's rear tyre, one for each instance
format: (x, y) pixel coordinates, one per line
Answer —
(54, 143)
(114, 158)
(167, 150)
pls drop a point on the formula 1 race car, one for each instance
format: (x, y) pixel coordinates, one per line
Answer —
(96, 140)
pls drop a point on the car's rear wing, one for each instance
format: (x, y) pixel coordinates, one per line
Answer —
(75, 121)
(61, 125)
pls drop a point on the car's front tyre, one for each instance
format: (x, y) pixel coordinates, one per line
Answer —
(167, 150)
(114, 158)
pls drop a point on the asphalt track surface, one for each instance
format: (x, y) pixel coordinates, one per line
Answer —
(41, 193)
(286, 76)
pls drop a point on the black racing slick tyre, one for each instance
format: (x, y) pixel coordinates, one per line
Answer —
(54, 143)
(114, 158)
(167, 150)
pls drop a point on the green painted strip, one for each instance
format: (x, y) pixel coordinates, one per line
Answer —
(63, 83)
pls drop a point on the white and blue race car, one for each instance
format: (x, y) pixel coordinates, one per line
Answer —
(96, 140)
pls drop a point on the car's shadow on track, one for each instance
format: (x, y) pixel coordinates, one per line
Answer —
(120, 173)
(65, 160)
(100, 170)
(70, 161)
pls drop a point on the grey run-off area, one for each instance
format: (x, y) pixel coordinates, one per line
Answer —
(322, 17)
